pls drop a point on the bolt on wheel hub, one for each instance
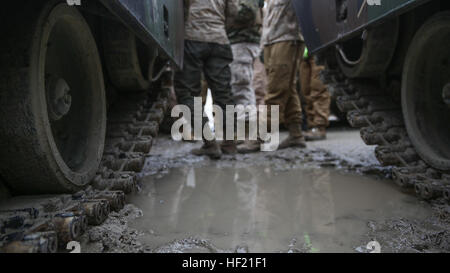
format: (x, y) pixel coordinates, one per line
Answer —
(59, 99)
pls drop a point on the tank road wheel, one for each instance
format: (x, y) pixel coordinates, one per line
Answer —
(129, 62)
(53, 107)
(370, 55)
(426, 91)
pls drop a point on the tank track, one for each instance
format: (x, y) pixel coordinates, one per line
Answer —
(46, 224)
(380, 120)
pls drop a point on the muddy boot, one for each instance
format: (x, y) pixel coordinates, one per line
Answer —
(240, 142)
(295, 138)
(316, 134)
(229, 147)
(249, 146)
(209, 148)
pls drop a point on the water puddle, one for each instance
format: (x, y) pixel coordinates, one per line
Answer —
(260, 210)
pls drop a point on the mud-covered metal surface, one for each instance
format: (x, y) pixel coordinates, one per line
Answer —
(380, 119)
(331, 197)
(48, 223)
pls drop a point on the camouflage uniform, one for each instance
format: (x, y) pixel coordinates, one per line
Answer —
(242, 73)
(206, 22)
(283, 49)
(243, 25)
(280, 23)
(207, 50)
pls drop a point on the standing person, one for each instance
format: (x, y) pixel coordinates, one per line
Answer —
(243, 27)
(317, 99)
(206, 50)
(283, 49)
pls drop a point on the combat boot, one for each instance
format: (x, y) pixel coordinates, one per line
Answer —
(249, 146)
(229, 147)
(209, 148)
(316, 134)
(238, 142)
(295, 138)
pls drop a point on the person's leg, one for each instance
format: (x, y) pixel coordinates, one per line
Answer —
(218, 75)
(187, 82)
(259, 81)
(293, 112)
(188, 85)
(205, 87)
(242, 80)
(305, 79)
(244, 55)
(320, 96)
(294, 122)
(320, 105)
(251, 146)
(278, 60)
(282, 67)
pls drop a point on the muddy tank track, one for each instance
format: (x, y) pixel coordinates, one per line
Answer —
(380, 120)
(46, 224)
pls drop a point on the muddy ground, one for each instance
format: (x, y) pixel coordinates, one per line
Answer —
(331, 197)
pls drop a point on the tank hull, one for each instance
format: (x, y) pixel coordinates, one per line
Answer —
(159, 23)
(344, 18)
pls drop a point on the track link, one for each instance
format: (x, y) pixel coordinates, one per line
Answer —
(43, 224)
(381, 122)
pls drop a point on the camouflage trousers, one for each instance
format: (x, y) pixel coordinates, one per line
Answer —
(242, 90)
(281, 61)
(316, 97)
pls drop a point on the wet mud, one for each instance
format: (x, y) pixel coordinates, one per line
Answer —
(331, 197)
(267, 210)
(114, 235)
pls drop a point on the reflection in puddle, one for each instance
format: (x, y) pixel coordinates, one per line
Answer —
(315, 210)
